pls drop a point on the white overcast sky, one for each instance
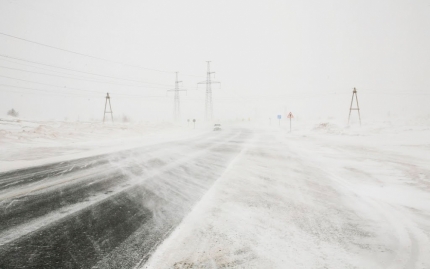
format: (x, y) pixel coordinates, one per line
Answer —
(271, 57)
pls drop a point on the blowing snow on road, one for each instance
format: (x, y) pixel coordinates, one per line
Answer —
(246, 197)
(311, 201)
(211, 134)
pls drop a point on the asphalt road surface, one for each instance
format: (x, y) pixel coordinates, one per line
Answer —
(107, 211)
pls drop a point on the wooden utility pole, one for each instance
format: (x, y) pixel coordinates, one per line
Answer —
(110, 107)
(354, 92)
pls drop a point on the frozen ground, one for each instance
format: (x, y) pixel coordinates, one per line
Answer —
(324, 196)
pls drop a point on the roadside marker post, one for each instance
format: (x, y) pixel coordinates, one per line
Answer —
(194, 121)
(290, 116)
(279, 118)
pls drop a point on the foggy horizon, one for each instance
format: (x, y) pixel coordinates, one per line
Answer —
(271, 58)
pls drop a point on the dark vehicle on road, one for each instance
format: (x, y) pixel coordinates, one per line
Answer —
(217, 127)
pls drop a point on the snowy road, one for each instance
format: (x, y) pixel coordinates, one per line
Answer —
(312, 201)
(240, 198)
(108, 211)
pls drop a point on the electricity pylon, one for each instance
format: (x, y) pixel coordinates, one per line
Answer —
(111, 113)
(209, 104)
(177, 110)
(354, 92)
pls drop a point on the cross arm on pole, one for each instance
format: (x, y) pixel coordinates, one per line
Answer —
(175, 90)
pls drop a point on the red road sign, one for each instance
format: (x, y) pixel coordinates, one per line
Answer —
(290, 115)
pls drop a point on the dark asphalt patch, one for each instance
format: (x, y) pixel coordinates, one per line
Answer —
(79, 241)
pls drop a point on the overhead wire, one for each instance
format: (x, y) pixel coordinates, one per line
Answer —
(76, 94)
(90, 56)
(51, 85)
(73, 76)
(40, 90)
(83, 79)
(79, 71)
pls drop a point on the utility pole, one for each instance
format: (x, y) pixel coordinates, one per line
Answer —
(110, 107)
(208, 104)
(290, 116)
(177, 110)
(354, 92)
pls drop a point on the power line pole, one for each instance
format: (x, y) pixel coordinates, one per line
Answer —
(354, 92)
(176, 109)
(208, 104)
(111, 114)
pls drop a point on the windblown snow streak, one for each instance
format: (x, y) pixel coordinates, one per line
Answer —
(108, 211)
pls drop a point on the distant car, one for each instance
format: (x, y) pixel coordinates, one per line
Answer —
(217, 127)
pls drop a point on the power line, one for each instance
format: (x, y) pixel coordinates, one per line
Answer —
(47, 69)
(90, 80)
(51, 85)
(76, 94)
(33, 89)
(79, 71)
(87, 55)
(399, 93)
(81, 54)
(73, 76)
(49, 94)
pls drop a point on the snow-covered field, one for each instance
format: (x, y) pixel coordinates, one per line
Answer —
(324, 196)
(25, 143)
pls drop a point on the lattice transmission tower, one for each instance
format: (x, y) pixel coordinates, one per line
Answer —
(354, 92)
(110, 108)
(176, 102)
(208, 103)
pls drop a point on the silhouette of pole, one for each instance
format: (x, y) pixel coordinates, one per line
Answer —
(208, 100)
(110, 107)
(354, 93)
(176, 102)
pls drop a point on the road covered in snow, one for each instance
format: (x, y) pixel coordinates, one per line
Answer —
(107, 211)
(322, 196)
